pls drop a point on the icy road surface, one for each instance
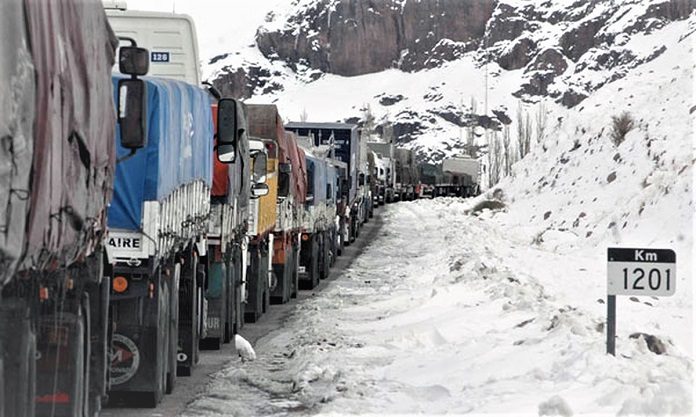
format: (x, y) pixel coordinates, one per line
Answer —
(448, 312)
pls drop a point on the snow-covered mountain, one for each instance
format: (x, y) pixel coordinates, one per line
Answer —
(437, 69)
(556, 72)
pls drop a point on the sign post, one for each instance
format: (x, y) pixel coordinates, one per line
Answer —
(644, 272)
(611, 324)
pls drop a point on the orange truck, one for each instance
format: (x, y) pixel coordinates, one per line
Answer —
(288, 187)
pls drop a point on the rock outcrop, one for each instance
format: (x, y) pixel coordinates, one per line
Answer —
(353, 37)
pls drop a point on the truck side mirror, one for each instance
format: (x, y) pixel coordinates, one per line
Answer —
(227, 130)
(133, 60)
(345, 186)
(260, 162)
(328, 192)
(361, 179)
(259, 190)
(132, 113)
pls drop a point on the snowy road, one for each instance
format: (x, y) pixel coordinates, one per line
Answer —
(447, 312)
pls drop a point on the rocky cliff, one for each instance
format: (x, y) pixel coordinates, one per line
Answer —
(354, 37)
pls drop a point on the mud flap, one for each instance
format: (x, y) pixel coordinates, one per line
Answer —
(19, 359)
(216, 312)
(238, 305)
(99, 357)
(2, 382)
(325, 254)
(309, 260)
(257, 284)
(60, 365)
(285, 273)
(188, 318)
(139, 348)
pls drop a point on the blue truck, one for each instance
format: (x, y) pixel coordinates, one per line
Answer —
(157, 227)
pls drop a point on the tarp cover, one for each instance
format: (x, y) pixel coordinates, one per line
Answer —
(72, 51)
(265, 123)
(16, 133)
(298, 174)
(179, 150)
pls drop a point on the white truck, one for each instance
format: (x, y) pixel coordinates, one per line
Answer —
(461, 177)
(386, 173)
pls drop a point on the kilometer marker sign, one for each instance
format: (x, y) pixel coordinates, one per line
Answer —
(641, 272)
(637, 271)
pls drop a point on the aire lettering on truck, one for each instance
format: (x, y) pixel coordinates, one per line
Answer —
(130, 242)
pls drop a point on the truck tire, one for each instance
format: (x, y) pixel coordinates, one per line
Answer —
(188, 315)
(19, 358)
(230, 304)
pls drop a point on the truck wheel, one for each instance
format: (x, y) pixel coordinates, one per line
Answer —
(229, 305)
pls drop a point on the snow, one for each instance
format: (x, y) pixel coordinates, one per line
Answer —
(244, 349)
(451, 312)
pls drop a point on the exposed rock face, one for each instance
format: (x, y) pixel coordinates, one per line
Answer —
(542, 72)
(519, 55)
(506, 24)
(242, 82)
(353, 37)
(390, 100)
(580, 39)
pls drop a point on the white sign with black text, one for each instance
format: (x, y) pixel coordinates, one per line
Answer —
(646, 272)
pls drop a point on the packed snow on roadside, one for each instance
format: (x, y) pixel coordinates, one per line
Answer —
(454, 311)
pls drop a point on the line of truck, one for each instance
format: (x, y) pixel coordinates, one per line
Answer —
(143, 216)
(397, 176)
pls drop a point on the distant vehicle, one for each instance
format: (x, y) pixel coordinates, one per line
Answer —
(430, 176)
(385, 170)
(406, 174)
(461, 173)
(456, 176)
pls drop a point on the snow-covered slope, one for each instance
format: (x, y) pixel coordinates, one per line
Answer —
(578, 182)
